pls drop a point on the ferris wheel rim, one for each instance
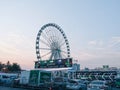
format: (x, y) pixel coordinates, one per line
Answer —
(39, 57)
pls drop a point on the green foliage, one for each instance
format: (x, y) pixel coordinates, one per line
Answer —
(10, 67)
(15, 67)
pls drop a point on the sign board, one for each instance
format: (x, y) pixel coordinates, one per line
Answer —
(58, 63)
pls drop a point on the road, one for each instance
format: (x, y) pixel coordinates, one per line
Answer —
(9, 88)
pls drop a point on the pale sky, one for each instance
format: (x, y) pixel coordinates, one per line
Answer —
(91, 26)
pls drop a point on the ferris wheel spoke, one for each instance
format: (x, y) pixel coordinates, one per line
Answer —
(61, 40)
(44, 43)
(52, 36)
(46, 34)
(58, 55)
(64, 52)
(45, 54)
(52, 56)
(45, 48)
(62, 44)
(49, 37)
(63, 47)
(46, 38)
(53, 47)
(58, 37)
(57, 34)
(64, 55)
(55, 55)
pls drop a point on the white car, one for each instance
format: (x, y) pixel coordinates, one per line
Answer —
(98, 85)
(76, 84)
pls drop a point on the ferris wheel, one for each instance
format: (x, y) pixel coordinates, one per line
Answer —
(52, 43)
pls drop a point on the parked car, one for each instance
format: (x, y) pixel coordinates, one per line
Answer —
(86, 80)
(60, 82)
(76, 84)
(98, 85)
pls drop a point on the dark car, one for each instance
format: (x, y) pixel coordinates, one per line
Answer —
(98, 85)
(76, 84)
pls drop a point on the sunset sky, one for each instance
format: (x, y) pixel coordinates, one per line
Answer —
(91, 26)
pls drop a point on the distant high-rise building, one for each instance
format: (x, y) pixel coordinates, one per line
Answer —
(76, 66)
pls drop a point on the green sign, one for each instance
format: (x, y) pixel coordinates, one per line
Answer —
(34, 76)
(45, 77)
(58, 63)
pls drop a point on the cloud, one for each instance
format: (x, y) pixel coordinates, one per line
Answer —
(109, 45)
(83, 55)
(96, 43)
(100, 52)
(114, 43)
(92, 43)
(117, 38)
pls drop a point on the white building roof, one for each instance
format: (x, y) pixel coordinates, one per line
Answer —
(53, 69)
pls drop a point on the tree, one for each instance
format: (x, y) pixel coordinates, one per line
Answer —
(10, 67)
(8, 63)
(1, 66)
(16, 67)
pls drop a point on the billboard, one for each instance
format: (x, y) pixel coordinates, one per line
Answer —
(58, 63)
